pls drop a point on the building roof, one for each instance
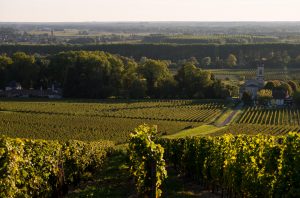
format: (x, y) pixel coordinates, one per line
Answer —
(251, 82)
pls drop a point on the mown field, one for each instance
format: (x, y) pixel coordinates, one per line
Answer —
(96, 120)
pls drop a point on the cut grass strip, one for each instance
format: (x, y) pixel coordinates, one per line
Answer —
(198, 131)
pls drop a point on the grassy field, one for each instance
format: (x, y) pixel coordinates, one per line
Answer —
(197, 131)
(270, 74)
(107, 119)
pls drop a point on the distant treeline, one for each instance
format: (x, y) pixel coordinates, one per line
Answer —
(96, 74)
(275, 55)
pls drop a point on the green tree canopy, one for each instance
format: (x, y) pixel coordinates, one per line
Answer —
(231, 60)
(5, 63)
(206, 61)
(24, 69)
(264, 96)
(154, 71)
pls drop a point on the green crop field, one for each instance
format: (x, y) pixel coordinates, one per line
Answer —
(96, 120)
(270, 74)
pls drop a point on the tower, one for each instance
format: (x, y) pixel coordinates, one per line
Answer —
(260, 76)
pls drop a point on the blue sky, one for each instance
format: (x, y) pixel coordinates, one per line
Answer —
(149, 10)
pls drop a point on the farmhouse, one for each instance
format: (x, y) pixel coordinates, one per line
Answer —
(252, 86)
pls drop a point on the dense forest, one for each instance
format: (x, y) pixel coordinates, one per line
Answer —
(86, 74)
(275, 55)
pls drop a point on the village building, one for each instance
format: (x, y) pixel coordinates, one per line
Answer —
(252, 86)
(14, 89)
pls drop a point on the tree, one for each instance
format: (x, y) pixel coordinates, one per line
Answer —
(138, 89)
(192, 81)
(294, 85)
(286, 59)
(286, 87)
(247, 98)
(219, 90)
(44, 74)
(206, 61)
(167, 88)
(272, 84)
(24, 69)
(93, 75)
(154, 71)
(193, 60)
(296, 98)
(130, 72)
(264, 96)
(219, 62)
(5, 63)
(231, 60)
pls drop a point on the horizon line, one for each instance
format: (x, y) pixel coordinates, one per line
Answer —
(150, 21)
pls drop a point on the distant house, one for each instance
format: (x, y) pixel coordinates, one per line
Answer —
(252, 86)
(14, 89)
(13, 85)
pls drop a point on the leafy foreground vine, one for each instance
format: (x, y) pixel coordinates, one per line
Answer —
(241, 166)
(39, 168)
(147, 163)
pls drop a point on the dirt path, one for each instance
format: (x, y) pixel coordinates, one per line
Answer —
(233, 113)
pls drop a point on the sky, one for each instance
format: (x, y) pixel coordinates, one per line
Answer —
(148, 10)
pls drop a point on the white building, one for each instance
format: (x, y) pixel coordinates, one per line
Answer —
(254, 85)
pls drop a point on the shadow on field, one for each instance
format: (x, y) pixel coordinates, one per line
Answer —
(179, 187)
(112, 181)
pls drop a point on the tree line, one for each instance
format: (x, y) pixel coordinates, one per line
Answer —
(275, 55)
(97, 74)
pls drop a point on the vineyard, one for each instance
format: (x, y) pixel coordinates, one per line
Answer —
(39, 168)
(233, 165)
(266, 116)
(256, 120)
(111, 120)
(254, 129)
(239, 166)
